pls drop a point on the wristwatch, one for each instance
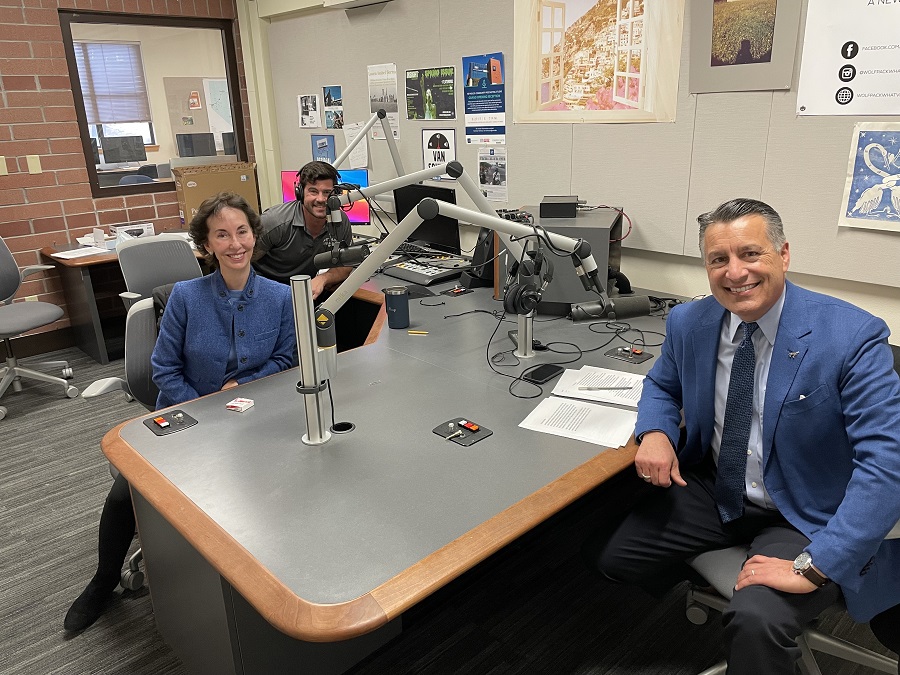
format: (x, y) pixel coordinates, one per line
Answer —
(804, 567)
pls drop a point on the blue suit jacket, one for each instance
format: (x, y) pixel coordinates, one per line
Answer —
(198, 327)
(831, 430)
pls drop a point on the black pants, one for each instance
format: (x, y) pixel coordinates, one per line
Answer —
(667, 526)
(117, 528)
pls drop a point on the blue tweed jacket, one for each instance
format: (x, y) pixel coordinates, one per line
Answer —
(199, 325)
(831, 430)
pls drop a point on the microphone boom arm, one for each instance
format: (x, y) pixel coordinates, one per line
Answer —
(388, 136)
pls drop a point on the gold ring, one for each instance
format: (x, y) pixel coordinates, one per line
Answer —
(752, 573)
(645, 477)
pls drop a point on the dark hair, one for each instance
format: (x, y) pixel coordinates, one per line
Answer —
(199, 227)
(738, 208)
(312, 172)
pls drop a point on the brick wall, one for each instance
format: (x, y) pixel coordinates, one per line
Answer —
(37, 117)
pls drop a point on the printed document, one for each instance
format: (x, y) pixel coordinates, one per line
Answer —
(603, 425)
(600, 384)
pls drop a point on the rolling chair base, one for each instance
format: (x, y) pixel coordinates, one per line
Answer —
(12, 372)
(699, 602)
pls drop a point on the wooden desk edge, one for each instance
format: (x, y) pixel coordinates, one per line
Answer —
(314, 622)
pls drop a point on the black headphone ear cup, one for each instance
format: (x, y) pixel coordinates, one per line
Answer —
(528, 299)
(510, 301)
(298, 190)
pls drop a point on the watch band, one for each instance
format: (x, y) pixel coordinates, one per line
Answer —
(812, 575)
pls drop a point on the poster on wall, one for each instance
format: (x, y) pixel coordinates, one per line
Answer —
(323, 148)
(872, 189)
(430, 94)
(359, 156)
(492, 174)
(438, 147)
(334, 107)
(851, 59)
(743, 46)
(310, 116)
(596, 60)
(218, 109)
(382, 79)
(484, 93)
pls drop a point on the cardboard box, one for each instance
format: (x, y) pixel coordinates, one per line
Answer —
(194, 184)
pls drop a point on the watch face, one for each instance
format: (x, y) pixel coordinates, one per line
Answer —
(803, 561)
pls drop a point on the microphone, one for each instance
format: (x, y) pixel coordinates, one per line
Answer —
(617, 308)
(341, 257)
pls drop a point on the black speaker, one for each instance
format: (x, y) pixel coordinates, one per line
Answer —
(482, 272)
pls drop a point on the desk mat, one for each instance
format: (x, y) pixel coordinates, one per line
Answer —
(453, 426)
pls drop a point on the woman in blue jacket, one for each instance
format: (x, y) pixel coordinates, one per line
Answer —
(217, 331)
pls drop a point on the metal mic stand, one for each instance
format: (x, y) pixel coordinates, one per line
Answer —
(322, 324)
(388, 136)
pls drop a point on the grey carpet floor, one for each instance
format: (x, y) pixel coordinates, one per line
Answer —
(532, 608)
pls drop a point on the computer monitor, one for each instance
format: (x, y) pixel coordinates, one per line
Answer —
(196, 145)
(229, 147)
(441, 232)
(117, 149)
(357, 214)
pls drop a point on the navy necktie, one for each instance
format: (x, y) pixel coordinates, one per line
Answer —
(732, 468)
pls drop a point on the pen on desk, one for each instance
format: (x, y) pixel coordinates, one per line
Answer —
(601, 388)
(417, 332)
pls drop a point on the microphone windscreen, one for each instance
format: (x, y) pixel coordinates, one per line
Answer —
(621, 307)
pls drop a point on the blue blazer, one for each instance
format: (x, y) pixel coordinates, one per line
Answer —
(198, 327)
(831, 430)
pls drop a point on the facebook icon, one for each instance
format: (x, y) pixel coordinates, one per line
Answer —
(849, 50)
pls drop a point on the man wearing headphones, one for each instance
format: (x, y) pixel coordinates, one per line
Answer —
(295, 232)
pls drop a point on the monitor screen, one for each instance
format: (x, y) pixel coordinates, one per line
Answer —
(358, 213)
(229, 147)
(440, 232)
(118, 149)
(196, 145)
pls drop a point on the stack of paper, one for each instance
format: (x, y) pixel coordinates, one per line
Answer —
(79, 252)
(600, 384)
(585, 420)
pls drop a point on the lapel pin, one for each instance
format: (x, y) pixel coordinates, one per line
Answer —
(792, 354)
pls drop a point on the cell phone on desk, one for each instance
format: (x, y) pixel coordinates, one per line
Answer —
(543, 373)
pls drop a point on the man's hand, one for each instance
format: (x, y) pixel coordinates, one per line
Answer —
(317, 285)
(774, 573)
(656, 462)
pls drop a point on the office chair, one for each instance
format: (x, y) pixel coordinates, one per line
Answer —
(134, 179)
(148, 262)
(140, 338)
(21, 317)
(720, 568)
(149, 170)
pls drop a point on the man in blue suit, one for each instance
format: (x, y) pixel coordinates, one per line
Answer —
(771, 418)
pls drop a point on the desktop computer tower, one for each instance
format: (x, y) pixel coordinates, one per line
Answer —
(597, 227)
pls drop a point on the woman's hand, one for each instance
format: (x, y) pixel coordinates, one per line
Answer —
(230, 384)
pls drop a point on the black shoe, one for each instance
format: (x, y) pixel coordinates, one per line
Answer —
(87, 607)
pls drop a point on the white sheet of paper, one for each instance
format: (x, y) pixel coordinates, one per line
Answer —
(592, 376)
(79, 252)
(590, 422)
(359, 156)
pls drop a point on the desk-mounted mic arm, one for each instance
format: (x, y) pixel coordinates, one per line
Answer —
(321, 321)
(388, 136)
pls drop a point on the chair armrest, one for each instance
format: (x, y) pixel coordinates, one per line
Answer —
(33, 269)
(104, 386)
(129, 298)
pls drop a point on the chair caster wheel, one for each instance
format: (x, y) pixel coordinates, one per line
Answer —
(129, 398)
(2, 412)
(132, 580)
(71, 392)
(697, 614)
(68, 373)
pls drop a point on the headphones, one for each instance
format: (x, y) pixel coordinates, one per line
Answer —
(523, 297)
(298, 191)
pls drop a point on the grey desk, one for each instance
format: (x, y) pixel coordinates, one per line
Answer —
(259, 547)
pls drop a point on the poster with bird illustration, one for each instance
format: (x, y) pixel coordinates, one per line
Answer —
(872, 190)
